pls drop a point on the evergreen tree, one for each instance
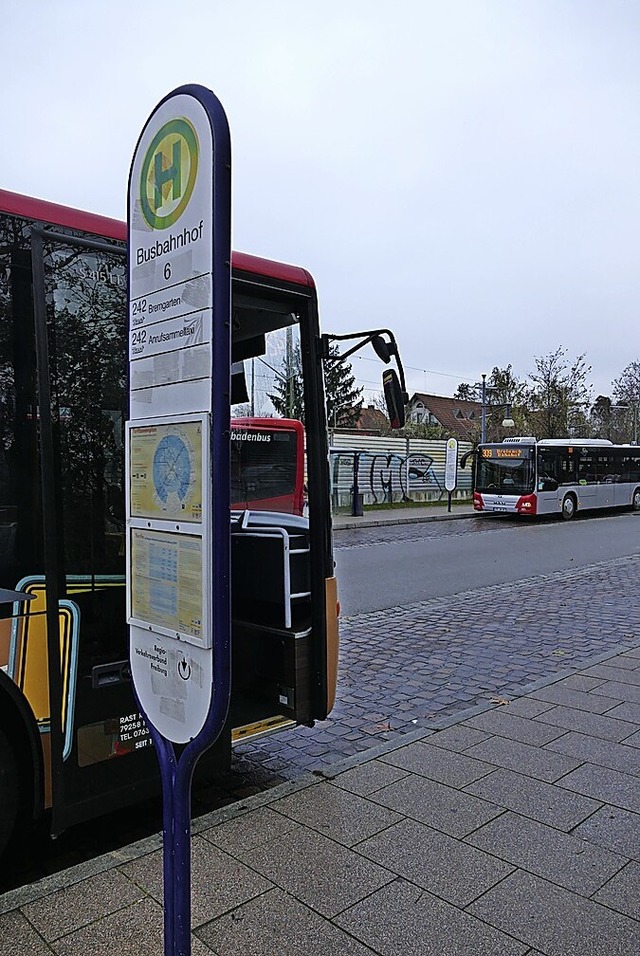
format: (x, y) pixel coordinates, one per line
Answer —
(288, 398)
(344, 398)
(610, 421)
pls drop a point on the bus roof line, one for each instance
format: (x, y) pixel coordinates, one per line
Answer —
(27, 207)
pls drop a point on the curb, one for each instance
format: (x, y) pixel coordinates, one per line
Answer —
(385, 522)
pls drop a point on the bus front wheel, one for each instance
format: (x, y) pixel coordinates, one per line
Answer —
(635, 501)
(9, 790)
(568, 507)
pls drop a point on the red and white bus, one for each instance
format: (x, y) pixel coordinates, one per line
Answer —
(72, 742)
(559, 476)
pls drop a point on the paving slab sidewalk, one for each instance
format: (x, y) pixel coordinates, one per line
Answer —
(379, 517)
(512, 830)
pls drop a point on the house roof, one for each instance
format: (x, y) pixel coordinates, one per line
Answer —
(461, 418)
(371, 419)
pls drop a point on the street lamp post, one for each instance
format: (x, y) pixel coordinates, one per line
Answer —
(483, 430)
(507, 421)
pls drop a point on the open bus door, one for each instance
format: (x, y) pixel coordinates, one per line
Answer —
(284, 599)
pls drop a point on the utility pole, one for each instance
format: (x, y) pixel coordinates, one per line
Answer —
(507, 421)
(289, 367)
(483, 430)
(253, 387)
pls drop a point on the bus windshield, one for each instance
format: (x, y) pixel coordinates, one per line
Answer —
(267, 464)
(505, 470)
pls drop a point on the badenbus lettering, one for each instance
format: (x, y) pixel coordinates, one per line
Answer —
(249, 436)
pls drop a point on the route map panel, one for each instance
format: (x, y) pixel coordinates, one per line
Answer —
(166, 471)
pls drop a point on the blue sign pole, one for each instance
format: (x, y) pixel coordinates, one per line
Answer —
(178, 457)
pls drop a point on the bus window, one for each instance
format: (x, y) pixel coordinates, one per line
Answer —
(87, 367)
(8, 488)
(268, 444)
(607, 465)
(587, 468)
(631, 466)
(20, 499)
(547, 471)
(567, 471)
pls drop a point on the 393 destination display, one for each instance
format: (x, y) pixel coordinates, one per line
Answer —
(513, 451)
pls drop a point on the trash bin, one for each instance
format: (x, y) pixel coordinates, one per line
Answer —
(357, 509)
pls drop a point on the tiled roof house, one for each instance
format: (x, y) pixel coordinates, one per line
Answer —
(461, 419)
(372, 421)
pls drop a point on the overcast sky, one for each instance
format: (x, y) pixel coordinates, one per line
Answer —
(466, 172)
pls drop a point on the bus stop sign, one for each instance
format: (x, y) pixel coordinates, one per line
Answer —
(177, 455)
(177, 446)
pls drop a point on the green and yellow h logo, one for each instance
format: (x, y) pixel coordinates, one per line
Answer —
(169, 173)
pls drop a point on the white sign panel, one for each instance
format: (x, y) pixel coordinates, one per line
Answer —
(170, 591)
(170, 260)
(451, 465)
(173, 681)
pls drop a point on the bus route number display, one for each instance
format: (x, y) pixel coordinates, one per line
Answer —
(509, 452)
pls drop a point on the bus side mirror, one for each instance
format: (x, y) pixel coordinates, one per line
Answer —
(381, 348)
(394, 398)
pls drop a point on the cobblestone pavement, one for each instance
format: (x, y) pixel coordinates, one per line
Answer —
(403, 667)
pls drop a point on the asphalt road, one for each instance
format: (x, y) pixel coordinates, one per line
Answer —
(379, 568)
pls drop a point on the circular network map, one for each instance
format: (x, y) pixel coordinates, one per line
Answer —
(172, 468)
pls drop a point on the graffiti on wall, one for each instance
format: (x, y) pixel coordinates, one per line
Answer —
(384, 477)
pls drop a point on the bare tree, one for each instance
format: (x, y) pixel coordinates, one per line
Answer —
(559, 398)
(626, 388)
(468, 393)
(626, 391)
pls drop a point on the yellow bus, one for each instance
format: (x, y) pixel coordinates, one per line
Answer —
(72, 742)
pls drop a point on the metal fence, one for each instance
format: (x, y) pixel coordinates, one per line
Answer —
(387, 470)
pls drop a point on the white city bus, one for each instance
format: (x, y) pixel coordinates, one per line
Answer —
(556, 476)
